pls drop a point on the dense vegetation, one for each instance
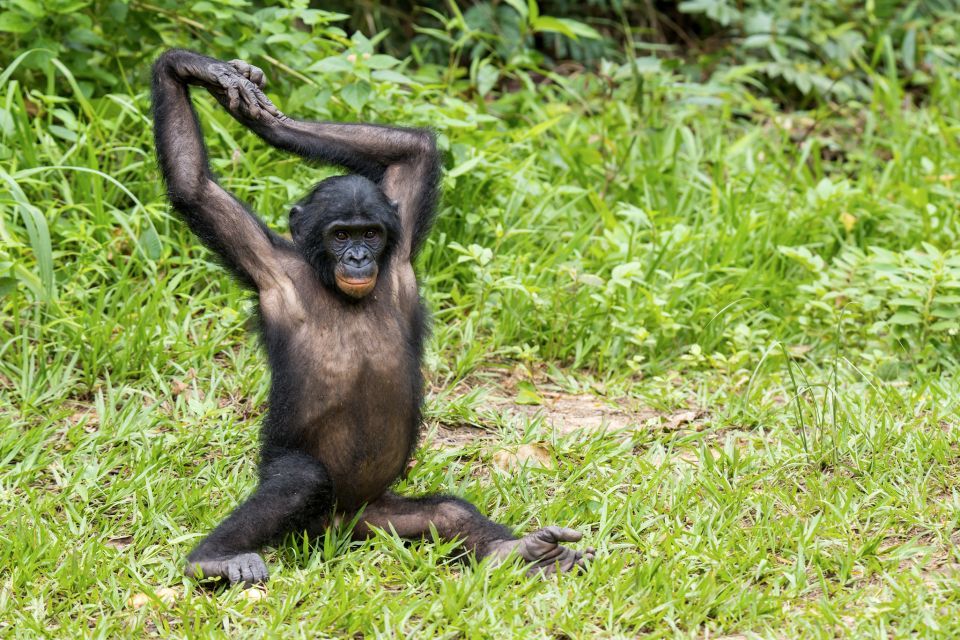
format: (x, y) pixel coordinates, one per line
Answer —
(734, 223)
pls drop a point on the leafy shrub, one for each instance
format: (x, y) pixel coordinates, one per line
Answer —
(826, 50)
(109, 46)
(907, 301)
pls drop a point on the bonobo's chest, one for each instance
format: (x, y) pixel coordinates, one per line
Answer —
(369, 328)
(350, 350)
(333, 352)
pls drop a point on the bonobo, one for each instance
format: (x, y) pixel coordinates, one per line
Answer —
(341, 319)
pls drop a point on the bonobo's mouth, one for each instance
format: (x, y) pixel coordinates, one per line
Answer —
(356, 285)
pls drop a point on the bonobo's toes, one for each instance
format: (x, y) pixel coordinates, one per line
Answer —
(248, 568)
(542, 549)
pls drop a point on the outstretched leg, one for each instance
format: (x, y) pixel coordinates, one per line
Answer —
(455, 518)
(294, 488)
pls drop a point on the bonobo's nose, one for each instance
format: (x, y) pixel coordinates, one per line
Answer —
(356, 257)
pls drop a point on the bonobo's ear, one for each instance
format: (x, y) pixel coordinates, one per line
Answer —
(295, 211)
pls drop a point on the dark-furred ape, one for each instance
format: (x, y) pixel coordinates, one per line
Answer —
(341, 320)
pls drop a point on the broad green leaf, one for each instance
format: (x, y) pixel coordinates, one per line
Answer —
(519, 6)
(62, 132)
(7, 285)
(946, 312)
(333, 64)
(356, 95)
(905, 318)
(945, 325)
(487, 76)
(624, 273)
(388, 75)
(29, 6)
(590, 280)
(564, 26)
(150, 243)
(13, 22)
(463, 168)
(527, 394)
(380, 61)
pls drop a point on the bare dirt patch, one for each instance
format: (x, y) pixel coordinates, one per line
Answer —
(456, 436)
(567, 413)
(519, 396)
(82, 413)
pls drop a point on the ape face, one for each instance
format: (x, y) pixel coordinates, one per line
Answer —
(356, 246)
(346, 229)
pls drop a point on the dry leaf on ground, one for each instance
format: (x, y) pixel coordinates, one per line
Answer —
(682, 418)
(253, 594)
(166, 595)
(121, 542)
(530, 455)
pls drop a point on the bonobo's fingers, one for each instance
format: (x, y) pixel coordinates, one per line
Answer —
(266, 104)
(252, 569)
(242, 67)
(250, 72)
(251, 104)
(233, 96)
(559, 534)
(544, 553)
(241, 85)
(257, 77)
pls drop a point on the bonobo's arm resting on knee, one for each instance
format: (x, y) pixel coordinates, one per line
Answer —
(403, 161)
(245, 245)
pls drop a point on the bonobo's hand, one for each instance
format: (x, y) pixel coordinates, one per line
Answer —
(239, 89)
(544, 553)
(237, 85)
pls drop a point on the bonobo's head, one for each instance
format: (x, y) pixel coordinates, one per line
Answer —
(346, 227)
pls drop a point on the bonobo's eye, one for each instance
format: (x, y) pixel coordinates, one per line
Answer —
(341, 235)
(371, 233)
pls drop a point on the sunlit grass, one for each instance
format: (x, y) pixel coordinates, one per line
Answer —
(683, 261)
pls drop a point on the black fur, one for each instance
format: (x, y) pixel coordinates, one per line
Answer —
(346, 385)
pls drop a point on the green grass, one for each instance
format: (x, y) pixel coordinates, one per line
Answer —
(794, 285)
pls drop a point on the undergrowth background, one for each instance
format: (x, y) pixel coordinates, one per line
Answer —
(746, 211)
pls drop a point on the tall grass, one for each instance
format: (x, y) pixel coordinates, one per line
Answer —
(656, 250)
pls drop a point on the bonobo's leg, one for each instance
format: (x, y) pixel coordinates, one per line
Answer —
(454, 518)
(294, 488)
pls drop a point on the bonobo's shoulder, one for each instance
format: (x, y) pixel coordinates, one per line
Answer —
(405, 275)
(282, 294)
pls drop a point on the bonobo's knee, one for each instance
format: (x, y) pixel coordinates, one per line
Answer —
(456, 517)
(453, 512)
(298, 480)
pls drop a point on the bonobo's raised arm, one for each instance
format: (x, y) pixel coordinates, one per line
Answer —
(242, 241)
(403, 161)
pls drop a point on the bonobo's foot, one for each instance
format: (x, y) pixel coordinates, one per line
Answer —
(543, 551)
(245, 567)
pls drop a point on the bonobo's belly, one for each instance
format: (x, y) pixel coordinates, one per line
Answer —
(365, 441)
(359, 416)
